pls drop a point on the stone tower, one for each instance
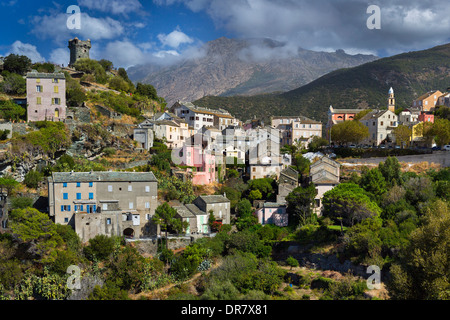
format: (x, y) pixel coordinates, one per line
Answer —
(391, 103)
(78, 49)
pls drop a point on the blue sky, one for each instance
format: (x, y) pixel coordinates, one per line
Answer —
(131, 32)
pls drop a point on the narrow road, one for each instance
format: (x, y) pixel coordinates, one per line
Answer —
(438, 157)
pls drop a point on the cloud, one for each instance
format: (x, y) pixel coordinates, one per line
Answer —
(26, 49)
(405, 24)
(112, 6)
(124, 53)
(174, 39)
(60, 56)
(55, 27)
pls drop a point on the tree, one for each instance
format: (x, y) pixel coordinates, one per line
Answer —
(374, 183)
(14, 84)
(390, 169)
(316, 143)
(165, 216)
(46, 67)
(17, 64)
(91, 67)
(300, 204)
(441, 131)
(264, 185)
(349, 131)
(255, 195)
(423, 272)
(11, 111)
(425, 130)
(292, 262)
(100, 247)
(244, 208)
(106, 64)
(36, 230)
(8, 183)
(349, 204)
(402, 135)
(32, 179)
(147, 90)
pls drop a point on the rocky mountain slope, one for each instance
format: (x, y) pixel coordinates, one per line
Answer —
(242, 67)
(411, 74)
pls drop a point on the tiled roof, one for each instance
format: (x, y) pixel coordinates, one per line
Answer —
(104, 176)
(195, 210)
(42, 75)
(214, 199)
(184, 212)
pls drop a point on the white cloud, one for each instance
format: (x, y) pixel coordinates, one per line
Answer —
(55, 27)
(26, 49)
(174, 39)
(124, 53)
(60, 56)
(405, 24)
(112, 6)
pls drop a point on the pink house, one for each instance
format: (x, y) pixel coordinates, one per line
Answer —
(46, 96)
(199, 161)
(272, 213)
(426, 117)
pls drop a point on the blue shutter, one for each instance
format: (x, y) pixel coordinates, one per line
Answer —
(68, 208)
(62, 208)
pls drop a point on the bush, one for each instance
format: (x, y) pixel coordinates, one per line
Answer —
(33, 178)
(21, 202)
(100, 247)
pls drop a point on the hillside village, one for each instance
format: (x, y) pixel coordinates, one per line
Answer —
(193, 190)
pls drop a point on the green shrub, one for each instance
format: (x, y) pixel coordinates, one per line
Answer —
(33, 178)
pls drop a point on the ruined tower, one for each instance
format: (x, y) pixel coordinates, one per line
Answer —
(78, 49)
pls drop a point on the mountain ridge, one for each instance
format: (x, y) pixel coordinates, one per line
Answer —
(242, 67)
(410, 74)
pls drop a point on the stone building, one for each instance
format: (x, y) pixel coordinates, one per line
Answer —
(325, 175)
(46, 96)
(219, 204)
(78, 50)
(287, 182)
(110, 203)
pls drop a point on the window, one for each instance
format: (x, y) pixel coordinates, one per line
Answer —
(108, 220)
(105, 206)
(38, 88)
(64, 184)
(56, 89)
(147, 205)
(110, 188)
(78, 196)
(91, 184)
(91, 195)
(65, 196)
(78, 184)
(147, 188)
(66, 220)
(130, 205)
(38, 100)
(147, 216)
(130, 187)
(55, 80)
(56, 101)
(381, 122)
